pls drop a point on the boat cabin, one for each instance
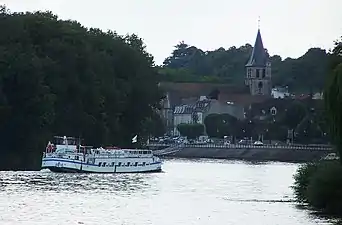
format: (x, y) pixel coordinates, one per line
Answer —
(58, 140)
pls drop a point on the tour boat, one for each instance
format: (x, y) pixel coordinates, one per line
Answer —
(65, 155)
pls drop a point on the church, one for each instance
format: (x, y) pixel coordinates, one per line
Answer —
(258, 89)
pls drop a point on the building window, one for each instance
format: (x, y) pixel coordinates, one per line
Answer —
(249, 73)
(260, 73)
(260, 87)
(263, 73)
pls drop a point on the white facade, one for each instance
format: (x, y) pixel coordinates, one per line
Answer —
(280, 93)
(200, 118)
(318, 95)
(180, 118)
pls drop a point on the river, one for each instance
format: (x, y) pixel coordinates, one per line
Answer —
(187, 192)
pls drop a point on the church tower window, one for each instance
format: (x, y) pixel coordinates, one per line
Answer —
(260, 85)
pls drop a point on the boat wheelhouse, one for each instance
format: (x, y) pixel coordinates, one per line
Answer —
(66, 154)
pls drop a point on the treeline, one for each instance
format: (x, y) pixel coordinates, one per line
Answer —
(60, 78)
(191, 64)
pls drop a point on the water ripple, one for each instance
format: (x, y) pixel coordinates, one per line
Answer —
(188, 192)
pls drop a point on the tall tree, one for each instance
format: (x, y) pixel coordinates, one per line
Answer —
(60, 78)
(333, 98)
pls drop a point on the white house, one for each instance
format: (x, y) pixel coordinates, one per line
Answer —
(280, 92)
(182, 114)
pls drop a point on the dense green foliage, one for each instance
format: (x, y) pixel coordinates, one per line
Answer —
(333, 96)
(60, 78)
(306, 120)
(188, 63)
(191, 131)
(319, 185)
(220, 125)
(302, 180)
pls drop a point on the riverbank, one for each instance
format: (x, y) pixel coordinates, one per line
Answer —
(252, 154)
(319, 185)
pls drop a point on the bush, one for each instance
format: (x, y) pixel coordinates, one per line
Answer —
(191, 131)
(302, 180)
(320, 185)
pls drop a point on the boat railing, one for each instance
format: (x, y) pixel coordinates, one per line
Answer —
(93, 155)
(120, 155)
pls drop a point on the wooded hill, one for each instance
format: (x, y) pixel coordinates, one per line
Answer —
(190, 64)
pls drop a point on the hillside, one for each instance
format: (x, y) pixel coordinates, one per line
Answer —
(191, 64)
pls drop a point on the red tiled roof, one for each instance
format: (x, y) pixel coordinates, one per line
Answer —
(228, 93)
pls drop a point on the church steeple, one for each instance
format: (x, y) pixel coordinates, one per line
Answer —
(258, 56)
(258, 76)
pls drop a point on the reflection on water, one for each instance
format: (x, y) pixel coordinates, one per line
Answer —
(188, 192)
(77, 183)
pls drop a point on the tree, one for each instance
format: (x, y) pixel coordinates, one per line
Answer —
(220, 125)
(190, 131)
(333, 100)
(60, 78)
(154, 126)
(294, 114)
(190, 64)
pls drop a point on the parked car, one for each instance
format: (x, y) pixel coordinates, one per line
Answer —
(258, 143)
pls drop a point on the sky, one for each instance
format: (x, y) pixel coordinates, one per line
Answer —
(288, 27)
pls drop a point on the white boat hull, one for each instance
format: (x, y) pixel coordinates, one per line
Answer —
(78, 166)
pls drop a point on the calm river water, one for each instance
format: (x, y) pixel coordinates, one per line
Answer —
(187, 192)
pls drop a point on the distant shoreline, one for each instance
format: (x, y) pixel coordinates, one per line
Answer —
(258, 153)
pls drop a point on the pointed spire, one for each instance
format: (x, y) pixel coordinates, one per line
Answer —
(258, 56)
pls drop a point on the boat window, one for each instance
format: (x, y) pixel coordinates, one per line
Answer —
(128, 163)
(99, 163)
(76, 157)
(119, 164)
(136, 164)
(144, 163)
(112, 164)
(104, 164)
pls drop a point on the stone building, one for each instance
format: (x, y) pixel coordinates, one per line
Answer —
(258, 70)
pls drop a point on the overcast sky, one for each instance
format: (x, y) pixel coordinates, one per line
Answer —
(288, 27)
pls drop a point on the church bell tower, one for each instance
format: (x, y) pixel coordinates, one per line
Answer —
(258, 70)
